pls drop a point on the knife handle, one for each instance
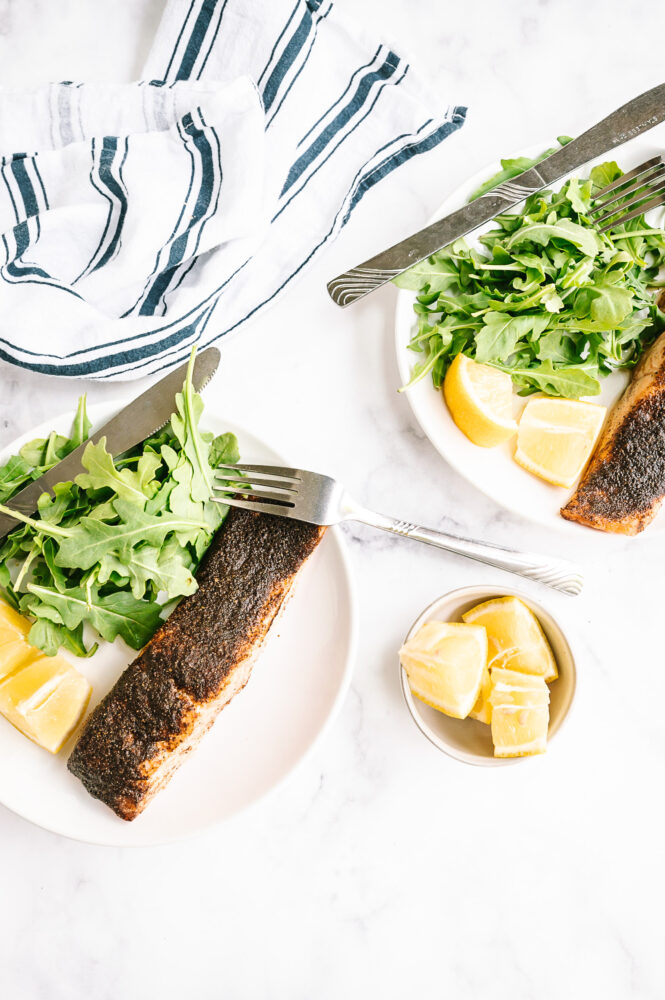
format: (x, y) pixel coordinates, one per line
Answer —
(365, 278)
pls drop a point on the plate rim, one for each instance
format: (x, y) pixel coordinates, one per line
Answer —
(449, 203)
(101, 411)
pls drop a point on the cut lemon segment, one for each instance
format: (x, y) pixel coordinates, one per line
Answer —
(511, 688)
(520, 713)
(482, 710)
(480, 400)
(519, 732)
(45, 699)
(556, 437)
(514, 636)
(444, 662)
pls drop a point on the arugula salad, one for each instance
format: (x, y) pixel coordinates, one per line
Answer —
(546, 298)
(111, 548)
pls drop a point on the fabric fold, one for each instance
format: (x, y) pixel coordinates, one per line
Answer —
(139, 219)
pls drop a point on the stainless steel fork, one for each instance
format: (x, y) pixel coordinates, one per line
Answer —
(308, 496)
(630, 195)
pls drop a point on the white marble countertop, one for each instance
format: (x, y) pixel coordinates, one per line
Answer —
(383, 868)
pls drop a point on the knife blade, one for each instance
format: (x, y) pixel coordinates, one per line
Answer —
(135, 422)
(633, 118)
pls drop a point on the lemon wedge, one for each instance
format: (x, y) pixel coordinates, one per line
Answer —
(515, 638)
(444, 662)
(480, 400)
(482, 710)
(44, 697)
(520, 713)
(556, 437)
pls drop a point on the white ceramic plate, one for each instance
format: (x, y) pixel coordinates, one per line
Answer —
(297, 685)
(493, 470)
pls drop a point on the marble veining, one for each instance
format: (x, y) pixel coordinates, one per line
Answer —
(382, 868)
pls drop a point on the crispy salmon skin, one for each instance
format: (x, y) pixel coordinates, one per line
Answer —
(624, 484)
(195, 663)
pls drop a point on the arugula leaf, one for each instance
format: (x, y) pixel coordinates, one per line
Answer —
(90, 540)
(185, 427)
(102, 473)
(113, 615)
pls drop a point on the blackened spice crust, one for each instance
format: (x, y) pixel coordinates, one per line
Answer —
(631, 479)
(155, 704)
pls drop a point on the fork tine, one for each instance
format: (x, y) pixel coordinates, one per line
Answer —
(231, 481)
(622, 210)
(267, 471)
(262, 493)
(646, 185)
(654, 203)
(260, 508)
(635, 172)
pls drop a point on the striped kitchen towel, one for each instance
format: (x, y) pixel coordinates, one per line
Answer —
(139, 219)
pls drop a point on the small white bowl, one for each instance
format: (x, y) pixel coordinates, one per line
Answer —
(467, 739)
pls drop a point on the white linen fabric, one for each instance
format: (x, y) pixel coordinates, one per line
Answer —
(139, 219)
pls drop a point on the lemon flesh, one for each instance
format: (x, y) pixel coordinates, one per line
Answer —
(556, 437)
(480, 400)
(520, 713)
(444, 663)
(44, 697)
(515, 639)
(482, 710)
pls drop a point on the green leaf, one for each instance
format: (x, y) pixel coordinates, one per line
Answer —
(185, 427)
(81, 426)
(90, 540)
(49, 637)
(102, 473)
(224, 450)
(435, 274)
(167, 568)
(541, 233)
(570, 381)
(604, 174)
(113, 615)
(610, 304)
(498, 337)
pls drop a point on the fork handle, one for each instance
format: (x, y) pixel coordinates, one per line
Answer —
(553, 572)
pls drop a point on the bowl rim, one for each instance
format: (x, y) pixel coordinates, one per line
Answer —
(459, 593)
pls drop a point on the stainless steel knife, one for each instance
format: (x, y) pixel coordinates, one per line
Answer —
(633, 118)
(141, 418)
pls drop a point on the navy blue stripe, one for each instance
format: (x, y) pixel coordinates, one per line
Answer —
(117, 189)
(339, 99)
(196, 39)
(302, 65)
(403, 155)
(188, 267)
(384, 72)
(25, 187)
(179, 246)
(287, 58)
(177, 42)
(99, 364)
(41, 182)
(105, 195)
(336, 147)
(274, 48)
(214, 39)
(182, 132)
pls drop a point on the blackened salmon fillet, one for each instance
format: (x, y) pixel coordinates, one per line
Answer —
(624, 484)
(196, 662)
